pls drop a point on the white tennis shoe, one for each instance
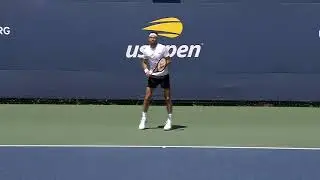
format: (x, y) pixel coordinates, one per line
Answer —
(143, 122)
(168, 125)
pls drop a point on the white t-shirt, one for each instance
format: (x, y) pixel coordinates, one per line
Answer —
(154, 55)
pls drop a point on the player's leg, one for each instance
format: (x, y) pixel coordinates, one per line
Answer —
(167, 97)
(146, 101)
(146, 104)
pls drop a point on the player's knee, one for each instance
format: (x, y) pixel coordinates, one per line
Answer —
(167, 98)
(148, 96)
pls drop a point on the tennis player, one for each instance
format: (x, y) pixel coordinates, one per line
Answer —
(152, 54)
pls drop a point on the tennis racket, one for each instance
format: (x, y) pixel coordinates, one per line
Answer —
(161, 66)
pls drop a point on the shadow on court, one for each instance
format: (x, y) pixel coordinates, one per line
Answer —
(174, 127)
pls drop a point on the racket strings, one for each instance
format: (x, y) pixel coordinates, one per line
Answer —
(161, 65)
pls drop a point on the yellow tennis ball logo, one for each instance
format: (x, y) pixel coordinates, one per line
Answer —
(170, 27)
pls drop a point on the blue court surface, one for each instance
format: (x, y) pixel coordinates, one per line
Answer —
(156, 163)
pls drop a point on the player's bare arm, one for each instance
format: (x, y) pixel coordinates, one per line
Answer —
(144, 64)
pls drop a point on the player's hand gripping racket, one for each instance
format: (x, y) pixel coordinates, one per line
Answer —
(161, 65)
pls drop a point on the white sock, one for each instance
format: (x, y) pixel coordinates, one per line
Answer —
(169, 116)
(144, 114)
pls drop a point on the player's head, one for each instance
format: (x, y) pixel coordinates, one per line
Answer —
(153, 38)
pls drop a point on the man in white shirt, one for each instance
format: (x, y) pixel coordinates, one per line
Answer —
(152, 53)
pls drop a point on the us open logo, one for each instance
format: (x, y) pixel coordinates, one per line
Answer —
(170, 27)
(166, 27)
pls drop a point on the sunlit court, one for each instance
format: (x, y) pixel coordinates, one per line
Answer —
(159, 89)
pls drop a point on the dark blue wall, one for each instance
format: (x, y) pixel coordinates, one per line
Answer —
(250, 49)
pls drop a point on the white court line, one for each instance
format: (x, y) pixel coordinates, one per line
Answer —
(164, 146)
